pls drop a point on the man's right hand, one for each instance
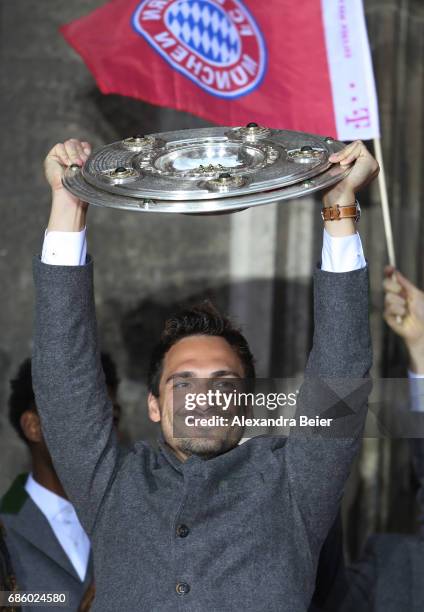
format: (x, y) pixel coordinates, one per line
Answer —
(404, 313)
(68, 213)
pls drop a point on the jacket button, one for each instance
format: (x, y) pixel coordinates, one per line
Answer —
(182, 531)
(182, 588)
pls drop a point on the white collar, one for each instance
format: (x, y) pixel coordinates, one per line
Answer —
(48, 502)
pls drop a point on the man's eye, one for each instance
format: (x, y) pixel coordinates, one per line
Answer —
(224, 384)
(181, 384)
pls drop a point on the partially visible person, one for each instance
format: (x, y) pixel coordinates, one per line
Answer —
(404, 313)
(389, 576)
(49, 549)
(7, 576)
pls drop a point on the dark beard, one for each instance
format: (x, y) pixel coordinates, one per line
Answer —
(189, 447)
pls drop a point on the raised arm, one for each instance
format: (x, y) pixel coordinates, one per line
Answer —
(404, 313)
(69, 385)
(319, 459)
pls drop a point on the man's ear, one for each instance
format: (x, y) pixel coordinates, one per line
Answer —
(153, 406)
(31, 426)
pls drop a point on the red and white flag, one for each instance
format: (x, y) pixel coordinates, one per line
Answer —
(292, 65)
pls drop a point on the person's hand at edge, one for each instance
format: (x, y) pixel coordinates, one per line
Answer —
(404, 314)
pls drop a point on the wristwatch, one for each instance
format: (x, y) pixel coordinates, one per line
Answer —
(337, 212)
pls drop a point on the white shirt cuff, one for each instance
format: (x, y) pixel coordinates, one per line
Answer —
(64, 248)
(416, 391)
(342, 254)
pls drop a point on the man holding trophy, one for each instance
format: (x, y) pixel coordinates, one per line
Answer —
(201, 524)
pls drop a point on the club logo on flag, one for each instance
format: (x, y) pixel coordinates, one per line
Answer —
(215, 43)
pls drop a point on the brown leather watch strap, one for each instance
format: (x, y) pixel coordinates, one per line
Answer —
(335, 213)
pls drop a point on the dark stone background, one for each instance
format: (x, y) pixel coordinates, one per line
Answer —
(145, 264)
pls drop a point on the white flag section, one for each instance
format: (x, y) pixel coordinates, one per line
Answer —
(350, 67)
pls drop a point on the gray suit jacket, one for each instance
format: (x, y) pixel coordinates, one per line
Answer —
(39, 561)
(255, 517)
(389, 577)
(7, 574)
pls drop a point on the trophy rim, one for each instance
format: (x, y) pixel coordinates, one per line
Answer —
(271, 158)
(75, 183)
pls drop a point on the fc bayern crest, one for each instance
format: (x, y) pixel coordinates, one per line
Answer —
(215, 43)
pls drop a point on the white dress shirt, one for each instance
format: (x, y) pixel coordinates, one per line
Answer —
(63, 520)
(64, 248)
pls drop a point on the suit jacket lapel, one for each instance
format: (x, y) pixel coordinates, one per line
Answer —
(26, 519)
(89, 576)
(31, 524)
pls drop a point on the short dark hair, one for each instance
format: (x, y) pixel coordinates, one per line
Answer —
(199, 320)
(22, 396)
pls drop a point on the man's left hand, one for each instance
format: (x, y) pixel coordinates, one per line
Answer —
(365, 169)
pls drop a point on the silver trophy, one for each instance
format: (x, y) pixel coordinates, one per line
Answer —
(208, 170)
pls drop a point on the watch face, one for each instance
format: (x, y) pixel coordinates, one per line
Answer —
(206, 170)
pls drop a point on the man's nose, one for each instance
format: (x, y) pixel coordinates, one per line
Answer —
(202, 388)
(203, 408)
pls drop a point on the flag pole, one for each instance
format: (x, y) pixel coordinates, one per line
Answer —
(382, 185)
(385, 203)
